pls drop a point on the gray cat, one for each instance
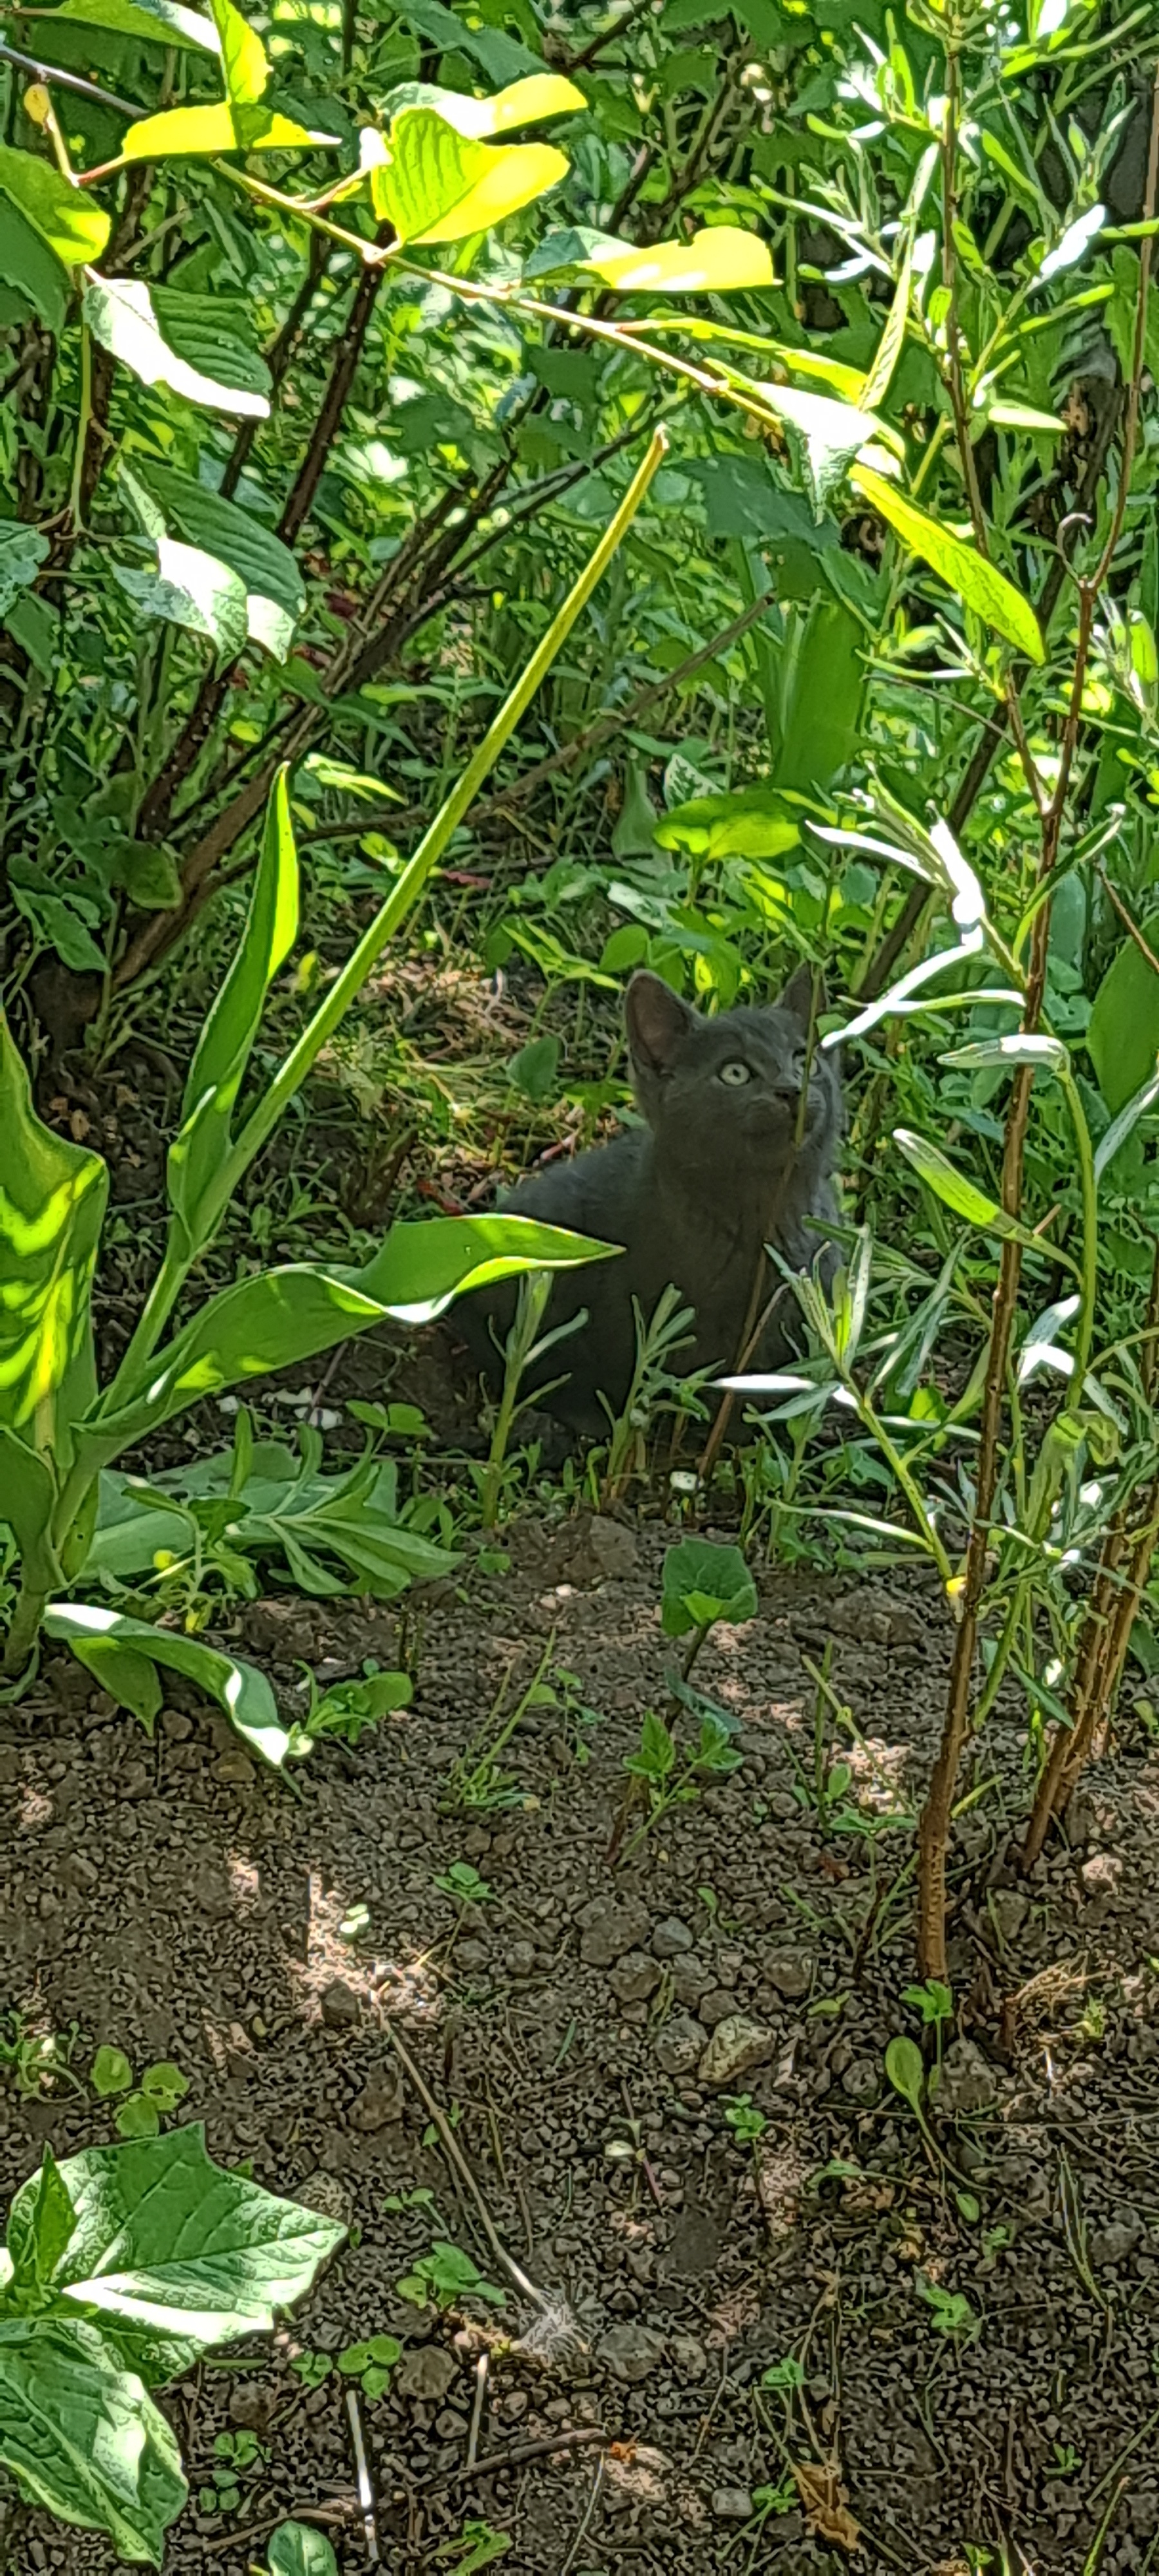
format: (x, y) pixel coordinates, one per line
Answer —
(694, 1196)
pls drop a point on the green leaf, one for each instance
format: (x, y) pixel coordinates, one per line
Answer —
(717, 1577)
(290, 1314)
(523, 102)
(150, 22)
(120, 314)
(22, 551)
(191, 589)
(1123, 1032)
(438, 185)
(1120, 1128)
(906, 2072)
(1043, 1054)
(129, 1676)
(824, 435)
(295, 2550)
(213, 334)
(168, 2246)
(70, 223)
(892, 341)
(719, 259)
(976, 582)
(82, 2436)
(52, 1201)
(265, 566)
(957, 1192)
(28, 1499)
(244, 60)
(197, 1157)
(239, 1688)
(27, 263)
(748, 823)
(138, 2117)
(110, 2072)
(185, 133)
(534, 1069)
(657, 1752)
(40, 2230)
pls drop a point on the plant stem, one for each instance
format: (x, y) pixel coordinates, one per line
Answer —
(24, 1630)
(403, 897)
(84, 415)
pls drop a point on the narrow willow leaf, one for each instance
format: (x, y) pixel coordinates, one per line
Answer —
(977, 583)
(901, 993)
(1121, 1127)
(958, 1193)
(1044, 1054)
(892, 341)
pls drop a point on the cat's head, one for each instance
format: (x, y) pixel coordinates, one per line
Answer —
(724, 1094)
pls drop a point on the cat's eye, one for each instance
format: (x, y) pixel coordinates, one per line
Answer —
(735, 1074)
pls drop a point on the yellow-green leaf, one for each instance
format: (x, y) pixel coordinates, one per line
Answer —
(182, 131)
(889, 347)
(73, 227)
(958, 1193)
(717, 259)
(120, 314)
(977, 583)
(525, 102)
(437, 185)
(149, 22)
(244, 60)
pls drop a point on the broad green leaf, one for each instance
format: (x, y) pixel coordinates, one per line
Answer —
(958, 1193)
(719, 258)
(121, 315)
(239, 1689)
(500, 56)
(72, 225)
(1044, 1054)
(27, 263)
(1121, 1127)
(282, 1316)
(191, 589)
(22, 551)
(39, 2231)
(523, 102)
(749, 823)
(152, 22)
(295, 2550)
(167, 2244)
(244, 60)
(197, 1157)
(1123, 1034)
(215, 335)
(698, 1574)
(181, 133)
(52, 1201)
(906, 2072)
(235, 536)
(128, 1676)
(82, 2436)
(110, 2073)
(977, 583)
(437, 185)
(824, 434)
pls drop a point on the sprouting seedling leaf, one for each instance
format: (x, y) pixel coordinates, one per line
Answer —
(703, 1582)
(296, 2550)
(906, 2072)
(933, 2001)
(110, 2072)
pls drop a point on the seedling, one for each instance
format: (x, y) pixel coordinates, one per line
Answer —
(445, 2277)
(462, 1881)
(476, 2546)
(653, 1387)
(743, 2118)
(1066, 2461)
(669, 1776)
(935, 2003)
(312, 2367)
(348, 1708)
(702, 1584)
(38, 2059)
(297, 2549)
(524, 1345)
(371, 2363)
(161, 2088)
(232, 2454)
(950, 2311)
(477, 1782)
(355, 1924)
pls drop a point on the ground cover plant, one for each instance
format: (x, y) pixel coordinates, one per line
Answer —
(493, 498)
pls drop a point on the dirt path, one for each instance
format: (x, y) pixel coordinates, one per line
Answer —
(174, 1901)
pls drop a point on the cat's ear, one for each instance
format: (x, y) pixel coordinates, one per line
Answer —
(797, 998)
(658, 1022)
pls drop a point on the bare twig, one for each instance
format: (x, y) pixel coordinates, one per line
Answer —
(586, 2519)
(365, 2481)
(482, 2367)
(568, 2438)
(456, 2158)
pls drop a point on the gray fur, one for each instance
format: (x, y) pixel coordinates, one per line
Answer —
(693, 1196)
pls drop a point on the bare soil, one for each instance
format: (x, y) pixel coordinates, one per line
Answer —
(175, 1900)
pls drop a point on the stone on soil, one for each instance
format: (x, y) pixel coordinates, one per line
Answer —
(736, 2046)
(630, 2352)
(427, 2373)
(609, 1926)
(679, 2044)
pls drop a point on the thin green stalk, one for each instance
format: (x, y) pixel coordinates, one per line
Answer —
(1090, 1255)
(180, 1256)
(84, 416)
(907, 1482)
